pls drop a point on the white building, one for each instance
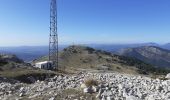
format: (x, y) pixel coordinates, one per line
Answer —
(44, 65)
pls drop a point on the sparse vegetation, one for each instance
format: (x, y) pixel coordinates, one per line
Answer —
(75, 94)
(12, 68)
(163, 78)
(89, 58)
(21, 74)
(2, 63)
(90, 82)
(118, 67)
(143, 67)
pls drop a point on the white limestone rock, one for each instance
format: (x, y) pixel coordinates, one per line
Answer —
(113, 85)
(52, 98)
(168, 76)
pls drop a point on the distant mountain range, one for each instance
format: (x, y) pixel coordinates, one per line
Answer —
(151, 54)
(116, 47)
(165, 46)
(29, 53)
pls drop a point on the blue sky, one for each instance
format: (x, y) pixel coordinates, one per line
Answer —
(26, 22)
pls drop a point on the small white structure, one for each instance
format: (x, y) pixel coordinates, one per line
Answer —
(44, 65)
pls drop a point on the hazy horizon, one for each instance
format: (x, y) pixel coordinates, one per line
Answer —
(87, 44)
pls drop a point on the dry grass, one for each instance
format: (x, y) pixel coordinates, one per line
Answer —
(22, 71)
(75, 95)
(163, 78)
(91, 82)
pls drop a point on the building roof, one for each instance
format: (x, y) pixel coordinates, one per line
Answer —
(44, 62)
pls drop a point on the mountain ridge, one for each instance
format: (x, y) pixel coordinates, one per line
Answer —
(89, 58)
(151, 54)
(29, 53)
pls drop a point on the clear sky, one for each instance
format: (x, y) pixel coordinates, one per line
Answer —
(26, 22)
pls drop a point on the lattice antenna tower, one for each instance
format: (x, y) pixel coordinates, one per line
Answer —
(53, 39)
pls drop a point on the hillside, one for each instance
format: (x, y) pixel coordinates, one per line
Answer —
(6, 59)
(80, 57)
(11, 67)
(10, 58)
(150, 54)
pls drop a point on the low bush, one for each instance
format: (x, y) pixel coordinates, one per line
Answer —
(90, 82)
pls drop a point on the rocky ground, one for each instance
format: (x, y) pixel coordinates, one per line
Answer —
(111, 86)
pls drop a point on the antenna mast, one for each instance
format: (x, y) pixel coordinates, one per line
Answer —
(53, 39)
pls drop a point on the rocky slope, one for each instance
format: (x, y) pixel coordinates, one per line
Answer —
(10, 58)
(112, 86)
(150, 54)
(11, 67)
(80, 57)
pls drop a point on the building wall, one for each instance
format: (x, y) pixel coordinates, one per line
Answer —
(47, 65)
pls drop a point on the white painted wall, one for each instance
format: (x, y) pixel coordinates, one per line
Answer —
(44, 65)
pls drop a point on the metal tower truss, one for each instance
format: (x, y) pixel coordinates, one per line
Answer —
(53, 39)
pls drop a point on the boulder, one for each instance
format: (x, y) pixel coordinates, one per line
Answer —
(132, 98)
(52, 98)
(31, 79)
(91, 89)
(168, 76)
(21, 94)
(83, 86)
(110, 98)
